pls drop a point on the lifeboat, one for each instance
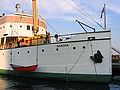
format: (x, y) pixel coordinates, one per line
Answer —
(23, 68)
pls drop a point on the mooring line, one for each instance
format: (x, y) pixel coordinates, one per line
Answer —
(78, 59)
(92, 55)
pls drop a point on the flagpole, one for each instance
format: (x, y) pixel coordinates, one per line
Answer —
(105, 16)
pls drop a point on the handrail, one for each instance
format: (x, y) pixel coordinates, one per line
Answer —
(81, 33)
(42, 40)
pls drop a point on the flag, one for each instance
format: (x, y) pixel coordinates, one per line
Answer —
(103, 10)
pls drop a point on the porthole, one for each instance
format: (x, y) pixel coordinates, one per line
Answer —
(10, 53)
(57, 49)
(18, 52)
(28, 27)
(20, 26)
(28, 51)
(42, 50)
(74, 48)
(83, 47)
(10, 25)
(3, 26)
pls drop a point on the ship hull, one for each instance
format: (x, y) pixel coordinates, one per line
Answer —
(59, 76)
(67, 60)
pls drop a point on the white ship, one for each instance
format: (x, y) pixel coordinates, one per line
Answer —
(27, 50)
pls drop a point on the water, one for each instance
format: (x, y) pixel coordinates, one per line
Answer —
(17, 83)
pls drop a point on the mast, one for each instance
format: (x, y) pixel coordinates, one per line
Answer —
(35, 17)
(105, 16)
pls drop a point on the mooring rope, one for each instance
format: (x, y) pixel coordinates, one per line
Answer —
(67, 73)
(37, 52)
(92, 55)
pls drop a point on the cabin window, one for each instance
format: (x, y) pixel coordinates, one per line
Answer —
(32, 28)
(38, 28)
(28, 27)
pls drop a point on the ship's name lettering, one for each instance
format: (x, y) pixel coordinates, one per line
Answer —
(62, 45)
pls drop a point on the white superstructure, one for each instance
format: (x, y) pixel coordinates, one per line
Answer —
(20, 25)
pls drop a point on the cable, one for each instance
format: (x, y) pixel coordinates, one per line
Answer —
(88, 16)
(78, 59)
(41, 3)
(13, 30)
(46, 21)
(92, 55)
(52, 28)
(8, 4)
(49, 25)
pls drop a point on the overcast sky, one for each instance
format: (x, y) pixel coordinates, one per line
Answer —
(61, 14)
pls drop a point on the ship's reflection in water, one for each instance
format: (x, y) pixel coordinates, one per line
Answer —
(15, 83)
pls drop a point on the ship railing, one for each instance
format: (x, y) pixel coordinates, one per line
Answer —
(40, 40)
(33, 42)
(16, 44)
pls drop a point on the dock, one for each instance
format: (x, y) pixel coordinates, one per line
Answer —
(116, 64)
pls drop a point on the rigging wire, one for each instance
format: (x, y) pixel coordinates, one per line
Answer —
(7, 7)
(49, 25)
(26, 3)
(8, 12)
(92, 55)
(9, 4)
(52, 27)
(78, 59)
(88, 16)
(41, 3)
(42, 12)
(13, 30)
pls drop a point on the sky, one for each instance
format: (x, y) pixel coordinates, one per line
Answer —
(61, 14)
